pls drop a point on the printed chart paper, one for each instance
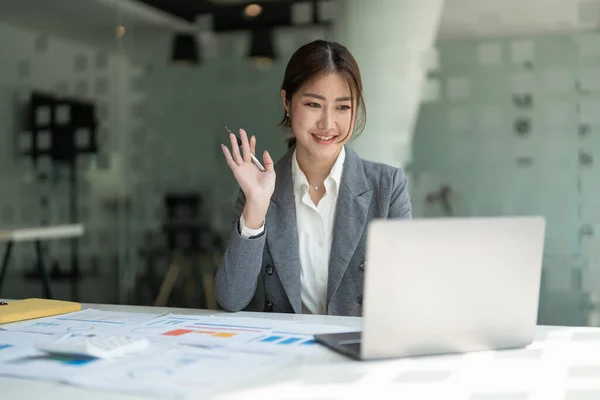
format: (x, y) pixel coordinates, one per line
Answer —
(19, 358)
(207, 330)
(183, 372)
(190, 355)
(297, 340)
(86, 322)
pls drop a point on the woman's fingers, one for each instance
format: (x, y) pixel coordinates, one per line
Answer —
(248, 148)
(245, 146)
(253, 144)
(228, 157)
(235, 149)
(268, 161)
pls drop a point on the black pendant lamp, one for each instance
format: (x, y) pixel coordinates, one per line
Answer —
(185, 49)
(262, 44)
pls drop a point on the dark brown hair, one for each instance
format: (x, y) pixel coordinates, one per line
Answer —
(320, 58)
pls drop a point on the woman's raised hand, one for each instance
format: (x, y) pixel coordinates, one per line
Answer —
(257, 186)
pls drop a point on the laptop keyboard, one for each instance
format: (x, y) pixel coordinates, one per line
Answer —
(354, 347)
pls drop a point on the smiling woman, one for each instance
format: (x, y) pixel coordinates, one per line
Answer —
(311, 66)
(302, 222)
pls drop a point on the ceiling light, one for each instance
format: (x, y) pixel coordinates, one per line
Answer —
(120, 31)
(263, 63)
(252, 10)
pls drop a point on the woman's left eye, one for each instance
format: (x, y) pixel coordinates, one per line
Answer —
(344, 107)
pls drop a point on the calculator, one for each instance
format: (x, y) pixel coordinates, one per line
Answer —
(104, 347)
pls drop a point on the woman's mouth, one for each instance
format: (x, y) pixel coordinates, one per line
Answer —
(324, 139)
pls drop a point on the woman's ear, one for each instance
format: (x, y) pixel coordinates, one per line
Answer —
(284, 101)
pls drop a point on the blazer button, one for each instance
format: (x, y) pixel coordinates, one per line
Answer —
(362, 265)
(268, 306)
(269, 270)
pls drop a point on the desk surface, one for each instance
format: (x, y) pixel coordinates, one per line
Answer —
(17, 389)
(42, 233)
(563, 363)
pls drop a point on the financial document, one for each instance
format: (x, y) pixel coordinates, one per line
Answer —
(87, 321)
(183, 372)
(190, 355)
(295, 339)
(206, 330)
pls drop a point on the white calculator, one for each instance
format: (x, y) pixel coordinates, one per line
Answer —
(104, 347)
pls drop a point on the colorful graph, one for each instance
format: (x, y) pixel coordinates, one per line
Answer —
(239, 334)
(63, 360)
(70, 361)
(180, 332)
(288, 340)
(214, 330)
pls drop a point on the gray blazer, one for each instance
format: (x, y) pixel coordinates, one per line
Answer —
(368, 190)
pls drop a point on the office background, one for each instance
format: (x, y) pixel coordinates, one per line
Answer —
(492, 108)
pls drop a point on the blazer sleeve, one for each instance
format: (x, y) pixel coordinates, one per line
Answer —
(237, 276)
(400, 203)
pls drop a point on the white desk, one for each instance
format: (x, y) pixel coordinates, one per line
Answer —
(36, 235)
(42, 233)
(563, 363)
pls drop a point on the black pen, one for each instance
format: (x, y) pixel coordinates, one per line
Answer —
(254, 159)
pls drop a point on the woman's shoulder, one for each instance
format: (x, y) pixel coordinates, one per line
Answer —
(381, 173)
(379, 168)
(390, 186)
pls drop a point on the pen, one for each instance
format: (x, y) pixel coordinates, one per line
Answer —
(254, 159)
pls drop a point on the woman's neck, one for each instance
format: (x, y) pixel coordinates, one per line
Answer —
(316, 170)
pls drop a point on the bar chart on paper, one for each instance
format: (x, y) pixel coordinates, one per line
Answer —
(215, 332)
(256, 335)
(297, 340)
(282, 342)
(265, 342)
(286, 339)
(207, 330)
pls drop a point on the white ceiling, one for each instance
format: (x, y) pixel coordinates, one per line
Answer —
(477, 18)
(91, 21)
(94, 21)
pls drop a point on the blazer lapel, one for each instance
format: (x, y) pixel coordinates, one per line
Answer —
(282, 234)
(353, 202)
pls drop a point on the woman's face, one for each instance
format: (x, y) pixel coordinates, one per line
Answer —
(321, 116)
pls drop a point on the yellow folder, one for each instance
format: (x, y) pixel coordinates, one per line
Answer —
(20, 310)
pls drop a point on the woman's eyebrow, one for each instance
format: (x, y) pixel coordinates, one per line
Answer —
(318, 96)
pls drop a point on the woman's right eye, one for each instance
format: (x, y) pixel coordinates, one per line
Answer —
(313, 105)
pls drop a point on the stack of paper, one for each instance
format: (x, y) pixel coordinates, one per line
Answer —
(190, 355)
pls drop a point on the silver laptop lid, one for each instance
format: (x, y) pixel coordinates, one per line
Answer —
(435, 286)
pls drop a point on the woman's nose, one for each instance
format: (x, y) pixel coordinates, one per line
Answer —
(326, 121)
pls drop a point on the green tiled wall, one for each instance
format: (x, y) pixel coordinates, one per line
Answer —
(516, 131)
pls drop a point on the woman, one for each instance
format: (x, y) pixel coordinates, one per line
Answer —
(302, 223)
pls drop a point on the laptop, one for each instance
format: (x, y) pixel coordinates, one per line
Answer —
(447, 286)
